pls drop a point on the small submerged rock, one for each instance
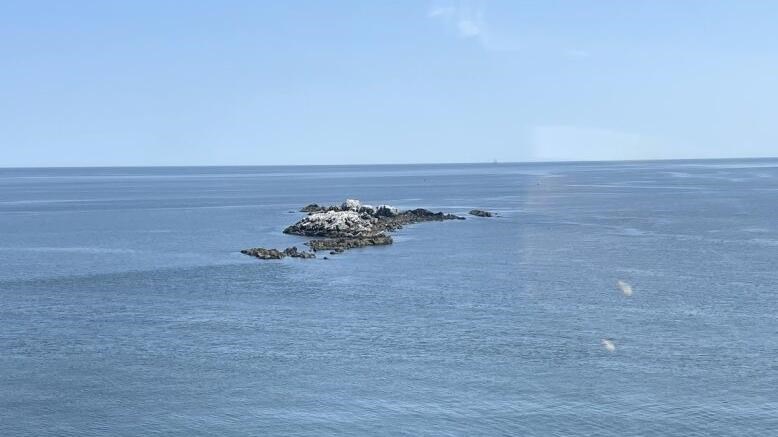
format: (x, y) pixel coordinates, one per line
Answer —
(481, 213)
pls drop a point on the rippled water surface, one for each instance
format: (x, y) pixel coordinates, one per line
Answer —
(126, 309)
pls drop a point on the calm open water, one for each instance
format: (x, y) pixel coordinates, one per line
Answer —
(126, 309)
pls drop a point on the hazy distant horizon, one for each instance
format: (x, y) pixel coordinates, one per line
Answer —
(368, 164)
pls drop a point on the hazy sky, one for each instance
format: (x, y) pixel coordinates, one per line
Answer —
(194, 82)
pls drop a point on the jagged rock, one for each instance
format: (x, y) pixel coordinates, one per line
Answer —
(338, 245)
(294, 253)
(262, 253)
(367, 209)
(333, 224)
(481, 213)
(386, 211)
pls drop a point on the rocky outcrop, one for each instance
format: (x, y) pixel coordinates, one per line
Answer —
(348, 226)
(481, 213)
(262, 253)
(334, 224)
(351, 223)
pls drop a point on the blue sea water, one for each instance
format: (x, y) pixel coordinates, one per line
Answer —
(126, 308)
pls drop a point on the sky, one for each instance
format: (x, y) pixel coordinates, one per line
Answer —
(96, 83)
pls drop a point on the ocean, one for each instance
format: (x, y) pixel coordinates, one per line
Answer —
(126, 308)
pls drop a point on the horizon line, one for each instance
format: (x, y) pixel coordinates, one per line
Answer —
(494, 162)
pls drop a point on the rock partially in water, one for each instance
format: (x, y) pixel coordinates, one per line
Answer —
(294, 253)
(481, 213)
(338, 245)
(263, 253)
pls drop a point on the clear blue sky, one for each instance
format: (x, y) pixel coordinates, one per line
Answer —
(193, 82)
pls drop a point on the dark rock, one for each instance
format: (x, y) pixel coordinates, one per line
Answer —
(386, 211)
(294, 253)
(481, 213)
(262, 253)
(366, 209)
(338, 245)
(418, 215)
(312, 208)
